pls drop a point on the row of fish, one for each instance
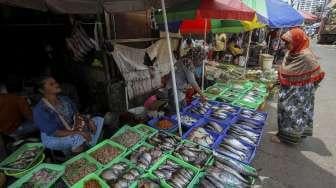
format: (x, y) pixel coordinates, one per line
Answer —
(226, 172)
(120, 175)
(248, 136)
(193, 154)
(213, 126)
(250, 114)
(188, 120)
(248, 124)
(144, 156)
(164, 141)
(233, 147)
(25, 159)
(174, 174)
(201, 136)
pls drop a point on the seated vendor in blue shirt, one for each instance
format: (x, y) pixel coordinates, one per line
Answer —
(54, 116)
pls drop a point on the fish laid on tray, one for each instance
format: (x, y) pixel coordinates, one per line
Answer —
(120, 175)
(234, 148)
(250, 114)
(193, 154)
(201, 136)
(78, 170)
(248, 124)
(41, 178)
(144, 156)
(213, 126)
(127, 138)
(245, 135)
(226, 172)
(25, 159)
(188, 120)
(164, 141)
(174, 174)
(201, 108)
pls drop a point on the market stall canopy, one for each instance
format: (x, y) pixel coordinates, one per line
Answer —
(275, 13)
(308, 16)
(218, 26)
(208, 9)
(86, 6)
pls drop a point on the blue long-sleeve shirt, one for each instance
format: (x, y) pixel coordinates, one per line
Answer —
(47, 119)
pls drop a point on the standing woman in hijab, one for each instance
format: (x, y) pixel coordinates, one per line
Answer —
(299, 77)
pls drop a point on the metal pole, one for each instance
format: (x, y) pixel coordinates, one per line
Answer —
(172, 67)
(248, 52)
(203, 63)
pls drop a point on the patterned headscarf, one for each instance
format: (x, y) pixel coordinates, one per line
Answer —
(194, 58)
(298, 39)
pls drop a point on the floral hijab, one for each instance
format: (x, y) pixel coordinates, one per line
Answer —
(194, 58)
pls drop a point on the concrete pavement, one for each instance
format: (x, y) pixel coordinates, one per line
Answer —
(312, 164)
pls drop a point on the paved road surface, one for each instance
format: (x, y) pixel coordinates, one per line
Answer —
(312, 164)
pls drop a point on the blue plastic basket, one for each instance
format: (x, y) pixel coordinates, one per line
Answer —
(224, 125)
(154, 121)
(250, 156)
(174, 117)
(199, 124)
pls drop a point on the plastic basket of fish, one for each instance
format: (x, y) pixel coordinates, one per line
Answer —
(248, 136)
(106, 152)
(213, 126)
(148, 180)
(224, 114)
(78, 167)
(23, 158)
(146, 130)
(174, 172)
(193, 154)
(234, 148)
(198, 109)
(254, 115)
(229, 97)
(165, 141)
(45, 175)
(145, 155)
(226, 172)
(188, 120)
(128, 137)
(91, 180)
(120, 174)
(164, 124)
(202, 136)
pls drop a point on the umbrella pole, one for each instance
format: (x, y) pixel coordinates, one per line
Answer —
(203, 63)
(172, 69)
(247, 52)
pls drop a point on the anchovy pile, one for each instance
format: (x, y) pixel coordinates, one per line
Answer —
(78, 170)
(201, 136)
(247, 136)
(252, 115)
(119, 175)
(127, 138)
(164, 141)
(144, 157)
(148, 183)
(213, 126)
(193, 154)
(234, 148)
(174, 174)
(228, 173)
(188, 120)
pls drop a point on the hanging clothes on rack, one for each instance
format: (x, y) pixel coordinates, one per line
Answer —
(79, 43)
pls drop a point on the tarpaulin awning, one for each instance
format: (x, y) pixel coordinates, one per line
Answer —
(208, 9)
(218, 26)
(308, 16)
(275, 13)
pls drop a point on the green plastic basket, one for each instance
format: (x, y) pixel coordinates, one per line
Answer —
(209, 152)
(128, 128)
(11, 158)
(147, 176)
(146, 130)
(177, 161)
(130, 166)
(109, 143)
(20, 174)
(27, 177)
(80, 156)
(81, 183)
(170, 134)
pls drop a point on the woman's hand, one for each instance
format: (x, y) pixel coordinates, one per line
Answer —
(86, 135)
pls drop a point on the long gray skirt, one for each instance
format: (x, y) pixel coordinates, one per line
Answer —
(296, 112)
